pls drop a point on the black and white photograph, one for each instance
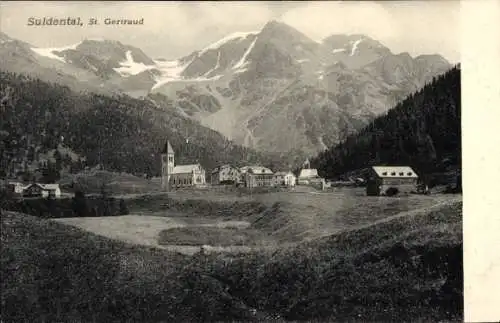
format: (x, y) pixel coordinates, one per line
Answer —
(231, 161)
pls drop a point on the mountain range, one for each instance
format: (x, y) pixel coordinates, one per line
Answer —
(273, 90)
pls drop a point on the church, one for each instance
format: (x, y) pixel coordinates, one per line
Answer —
(181, 175)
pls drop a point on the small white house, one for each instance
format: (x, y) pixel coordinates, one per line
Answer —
(307, 175)
(52, 189)
(42, 190)
(284, 179)
(16, 187)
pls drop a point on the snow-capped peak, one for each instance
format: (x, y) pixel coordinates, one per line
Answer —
(49, 52)
(220, 42)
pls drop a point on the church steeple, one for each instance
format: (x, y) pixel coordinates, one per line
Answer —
(167, 165)
(167, 149)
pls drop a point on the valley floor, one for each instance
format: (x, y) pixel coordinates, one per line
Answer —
(281, 219)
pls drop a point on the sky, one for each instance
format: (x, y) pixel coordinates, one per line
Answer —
(175, 29)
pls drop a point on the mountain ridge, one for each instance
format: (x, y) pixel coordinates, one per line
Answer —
(255, 88)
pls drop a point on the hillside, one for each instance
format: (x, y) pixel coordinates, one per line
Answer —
(62, 274)
(423, 131)
(120, 133)
(408, 269)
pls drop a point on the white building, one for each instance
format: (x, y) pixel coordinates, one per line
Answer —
(225, 174)
(42, 190)
(16, 187)
(307, 175)
(257, 176)
(52, 189)
(284, 179)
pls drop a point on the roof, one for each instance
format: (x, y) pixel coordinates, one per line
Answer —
(216, 169)
(308, 173)
(183, 169)
(256, 169)
(44, 186)
(282, 173)
(395, 171)
(167, 149)
(50, 186)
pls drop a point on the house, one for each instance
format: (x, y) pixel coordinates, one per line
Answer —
(52, 190)
(16, 187)
(391, 180)
(181, 175)
(307, 175)
(225, 174)
(257, 176)
(287, 179)
(42, 190)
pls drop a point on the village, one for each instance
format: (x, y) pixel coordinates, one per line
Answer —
(378, 180)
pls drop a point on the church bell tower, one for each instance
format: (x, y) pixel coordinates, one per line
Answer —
(167, 166)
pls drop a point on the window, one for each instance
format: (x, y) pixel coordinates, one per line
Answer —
(401, 174)
(384, 173)
(393, 174)
(164, 159)
(171, 159)
(409, 173)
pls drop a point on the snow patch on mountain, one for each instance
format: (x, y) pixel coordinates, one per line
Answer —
(130, 67)
(217, 65)
(338, 50)
(234, 36)
(243, 60)
(240, 70)
(355, 46)
(49, 52)
(303, 60)
(170, 71)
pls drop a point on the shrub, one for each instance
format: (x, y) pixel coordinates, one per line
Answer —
(391, 191)
(80, 204)
(123, 207)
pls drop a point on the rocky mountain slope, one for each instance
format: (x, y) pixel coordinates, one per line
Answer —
(273, 89)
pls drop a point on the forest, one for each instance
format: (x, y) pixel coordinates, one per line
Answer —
(422, 131)
(119, 133)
